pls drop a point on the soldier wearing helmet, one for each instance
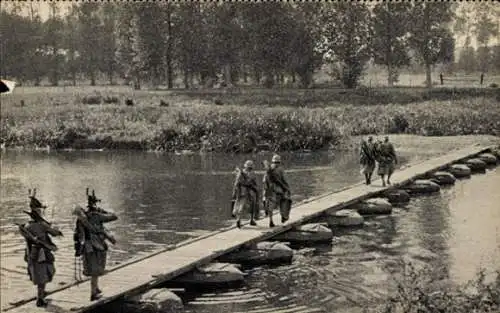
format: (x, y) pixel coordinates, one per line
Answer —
(90, 241)
(39, 248)
(245, 194)
(276, 190)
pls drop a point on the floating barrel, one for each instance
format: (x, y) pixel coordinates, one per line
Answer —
(307, 233)
(344, 218)
(422, 186)
(397, 196)
(264, 252)
(211, 274)
(154, 300)
(460, 170)
(488, 158)
(476, 165)
(496, 152)
(443, 178)
(374, 206)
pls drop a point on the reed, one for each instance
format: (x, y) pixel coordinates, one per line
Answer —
(62, 121)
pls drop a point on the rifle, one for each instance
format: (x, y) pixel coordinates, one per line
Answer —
(82, 217)
(32, 238)
(252, 187)
(273, 178)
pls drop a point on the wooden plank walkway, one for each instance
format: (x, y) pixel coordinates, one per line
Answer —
(151, 271)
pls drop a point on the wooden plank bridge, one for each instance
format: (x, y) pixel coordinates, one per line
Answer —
(141, 275)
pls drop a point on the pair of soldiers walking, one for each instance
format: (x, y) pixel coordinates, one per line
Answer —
(381, 152)
(90, 244)
(275, 193)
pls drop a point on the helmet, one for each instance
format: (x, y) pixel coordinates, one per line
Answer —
(276, 159)
(248, 164)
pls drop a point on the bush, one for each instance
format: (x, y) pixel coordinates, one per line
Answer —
(419, 291)
(92, 100)
(111, 100)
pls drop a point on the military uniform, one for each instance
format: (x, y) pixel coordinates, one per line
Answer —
(276, 191)
(39, 249)
(90, 241)
(94, 247)
(245, 194)
(387, 160)
(367, 159)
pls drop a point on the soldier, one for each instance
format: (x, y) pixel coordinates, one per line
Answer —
(367, 159)
(276, 190)
(39, 248)
(90, 241)
(387, 160)
(245, 194)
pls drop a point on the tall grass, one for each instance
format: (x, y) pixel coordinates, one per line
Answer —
(233, 128)
(418, 291)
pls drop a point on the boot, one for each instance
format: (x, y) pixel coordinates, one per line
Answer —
(98, 291)
(252, 222)
(41, 303)
(271, 224)
(238, 223)
(95, 296)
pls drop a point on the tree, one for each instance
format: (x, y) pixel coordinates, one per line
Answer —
(390, 40)
(128, 54)
(495, 58)
(467, 60)
(107, 40)
(71, 43)
(52, 43)
(89, 44)
(428, 32)
(346, 38)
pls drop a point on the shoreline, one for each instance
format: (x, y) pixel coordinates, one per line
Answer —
(407, 142)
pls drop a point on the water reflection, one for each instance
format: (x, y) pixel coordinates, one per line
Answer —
(163, 199)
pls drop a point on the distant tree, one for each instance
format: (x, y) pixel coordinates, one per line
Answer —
(128, 53)
(108, 15)
(71, 43)
(390, 40)
(89, 44)
(428, 32)
(484, 58)
(52, 43)
(486, 22)
(305, 57)
(467, 60)
(495, 58)
(447, 52)
(346, 38)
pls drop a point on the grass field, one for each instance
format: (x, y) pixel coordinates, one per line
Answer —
(238, 120)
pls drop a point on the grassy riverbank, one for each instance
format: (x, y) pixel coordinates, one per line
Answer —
(418, 290)
(60, 120)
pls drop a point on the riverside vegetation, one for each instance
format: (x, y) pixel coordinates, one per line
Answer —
(275, 120)
(417, 290)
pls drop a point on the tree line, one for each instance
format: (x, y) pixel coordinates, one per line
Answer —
(205, 43)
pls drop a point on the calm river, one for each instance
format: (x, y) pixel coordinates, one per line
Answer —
(163, 199)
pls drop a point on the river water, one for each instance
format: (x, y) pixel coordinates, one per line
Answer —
(166, 198)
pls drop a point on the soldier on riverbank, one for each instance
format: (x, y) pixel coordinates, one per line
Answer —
(90, 241)
(39, 248)
(387, 160)
(367, 159)
(245, 194)
(276, 190)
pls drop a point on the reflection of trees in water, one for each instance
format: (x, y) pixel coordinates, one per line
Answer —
(433, 225)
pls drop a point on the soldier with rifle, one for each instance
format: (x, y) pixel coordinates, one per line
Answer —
(90, 241)
(246, 194)
(39, 248)
(276, 190)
